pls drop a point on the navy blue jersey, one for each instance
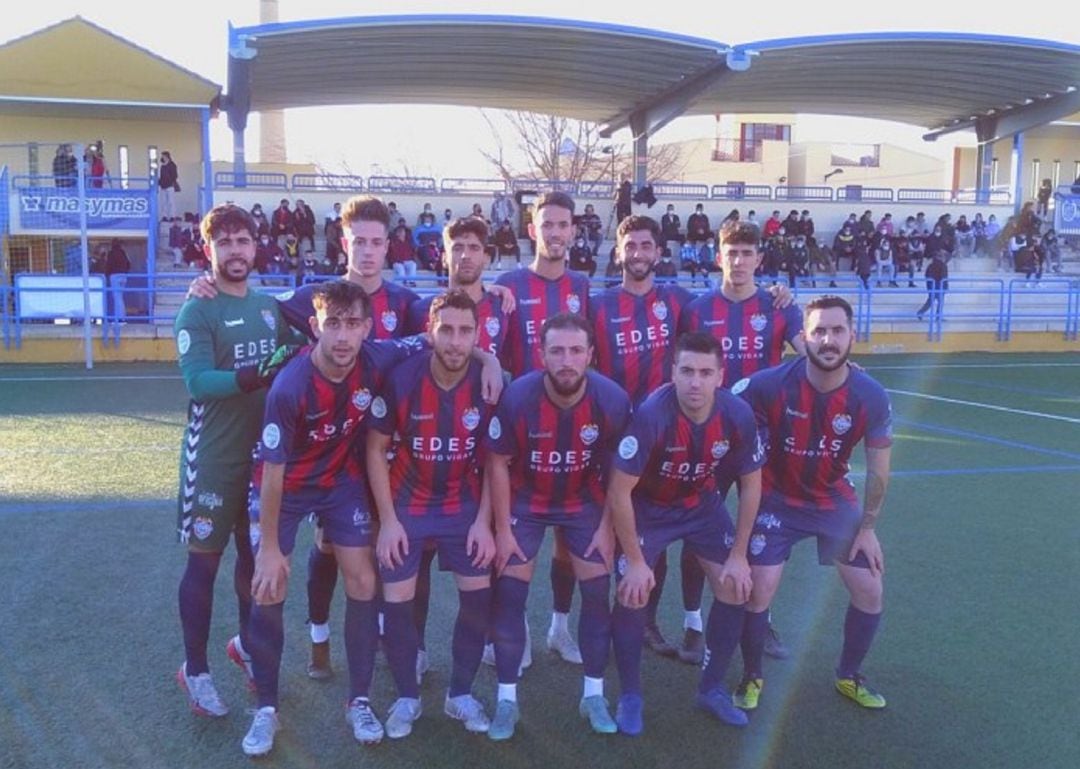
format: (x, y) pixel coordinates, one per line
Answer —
(491, 323)
(537, 300)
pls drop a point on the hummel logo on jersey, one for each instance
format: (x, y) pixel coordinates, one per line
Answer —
(527, 302)
(620, 320)
(673, 449)
(793, 413)
(711, 323)
(421, 417)
(317, 415)
(539, 435)
(234, 323)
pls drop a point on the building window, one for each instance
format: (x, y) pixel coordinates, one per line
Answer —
(152, 162)
(1035, 180)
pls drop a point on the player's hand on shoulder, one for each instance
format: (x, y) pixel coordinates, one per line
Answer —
(270, 366)
(781, 295)
(491, 379)
(480, 545)
(507, 302)
(392, 545)
(202, 287)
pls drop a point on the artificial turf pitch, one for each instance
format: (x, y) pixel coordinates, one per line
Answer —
(978, 651)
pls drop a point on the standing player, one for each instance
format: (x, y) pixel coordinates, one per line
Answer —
(663, 488)
(309, 465)
(549, 442)
(433, 408)
(545, 289)
(220, 343)
(812, 413)
(752, 329)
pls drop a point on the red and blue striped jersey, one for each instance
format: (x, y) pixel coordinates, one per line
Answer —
(558, 457)
(492, 321)
(676, 460)
(389, 310)
(809, 435)
(296, 307)
(537, 300)
(635, 336)
(436, 466)
(311, 423)
(752, 331)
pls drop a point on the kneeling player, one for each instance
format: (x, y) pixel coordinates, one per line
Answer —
(549, 441)
(663, 489)
(431, 491)
(309, 465)
(812, 412)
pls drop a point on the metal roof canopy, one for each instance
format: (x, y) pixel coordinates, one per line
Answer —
(623, 76)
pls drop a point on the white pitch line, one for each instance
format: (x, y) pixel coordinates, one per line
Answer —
(988, 406)
(86, 378)
(872, 367)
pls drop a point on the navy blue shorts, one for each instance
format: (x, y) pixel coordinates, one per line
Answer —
(338, 510)
(577, 530)
(778, 528)
(448, 533)
(706, 531)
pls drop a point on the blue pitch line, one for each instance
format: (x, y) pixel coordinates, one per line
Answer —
(79, 505)
(988, 439)
(978, 471)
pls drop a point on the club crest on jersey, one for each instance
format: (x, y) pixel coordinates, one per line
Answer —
(741, 385)
(659, 309)
(389, 320)
(271, 436)
(378, 407)
(269, 320)
(183, 341)
(203, 527)
(471, 418)
(719, 449)
(573, 304)
(757, 544)
(589, 434)
(492, 326)
(361, 399)
(841, 423)
(628, 447)
(758, 322)
(286, 296)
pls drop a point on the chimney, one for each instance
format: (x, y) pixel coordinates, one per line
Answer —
(272, 122)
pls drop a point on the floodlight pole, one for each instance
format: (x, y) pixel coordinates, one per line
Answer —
(88, 342)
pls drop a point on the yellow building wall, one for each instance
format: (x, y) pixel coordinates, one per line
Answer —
(1047, 144)
(897, 167)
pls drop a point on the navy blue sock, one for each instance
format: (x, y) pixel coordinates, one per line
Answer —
(243, 571)
(594, 625)
(693, 581)
(322, 573)
(562, 585)
(508, 627)
(627, 633)
(361, 638)
(660, 574)
(755, 627)
(196, 605)
(859, 631)
(400, 631)
(722, 634)
(266, 639)
(468, 644)
(422, 599)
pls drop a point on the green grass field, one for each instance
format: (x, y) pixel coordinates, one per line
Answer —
(978, 652)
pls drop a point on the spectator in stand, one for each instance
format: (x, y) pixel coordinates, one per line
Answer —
(978, 232)
(333, 213)
(948, 233)
(478, 212)
(707, 258)
(791, 223)
(291, 250)
(425, 213)
(261, 222)
(1018, 243)
(502, 208)
(937, 283)
(269, 258)
(866, 224)
(852, 223)
(885, 225)
(733, 216)
(844, 246)
(1046, 190)
(304, 222)
(822, 262)
(426, 232)
(309, 266)
(593, 227)
(281, 223)
(395, 215)
(965, 237)
(400, 222)
(1029, 222)
(117, 267)
(1032, 261)
(921, 223)
(613, 271)
(884, 264)
(333, 231)
(98, 172)
(401, 253)
(935, 242)
(665, 270)
(751, 218)
(670, 228)
(772, 258)
(581, 256)
(772, 226)
(506, 244)
(697, 227)
(65, 167)
(864, 260)
(902, 256)
(798, 259)
(169, 184)
(880, 234)
(1052, 250)
(688, 262)
(623, 199)
(917, 245)
(448, 216)
(806, 227)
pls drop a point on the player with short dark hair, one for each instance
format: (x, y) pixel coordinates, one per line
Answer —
(662, 489)
(548, 445)
(220, 343)
(812, 412)
(432, 491)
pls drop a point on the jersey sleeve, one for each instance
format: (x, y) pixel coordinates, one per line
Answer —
(296, 308)
(383, 354)
(280, 419)
(878, 419)
(195, 355)
(792, 316)
(384, 409)
(417, 322)
(752, 390)
(750, 451)
(500, 431)
(636, 446)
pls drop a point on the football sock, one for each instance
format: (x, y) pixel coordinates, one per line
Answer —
(755, 626)
(627, 632)
(660, 574)
(320, 633)
(243, 571)
(562, 585)
(196, 596)
(560, 623)
(859, 631)
(692, 620)
(593, 687)
(721, 638)
(693, 583)
(594, 625)
(508, 627)
(507, 692)
(400, 647)
(361, 638)
(423, 595)
(267, 639)
(468, 644)
(322, 571)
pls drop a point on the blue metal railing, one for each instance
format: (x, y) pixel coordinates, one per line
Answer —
(794, 192)
(733, 191)
(259, 180)
(467, 186)
(857, 193)
(596, 189)
(680, 190)
(423, 184)
(328, 182)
